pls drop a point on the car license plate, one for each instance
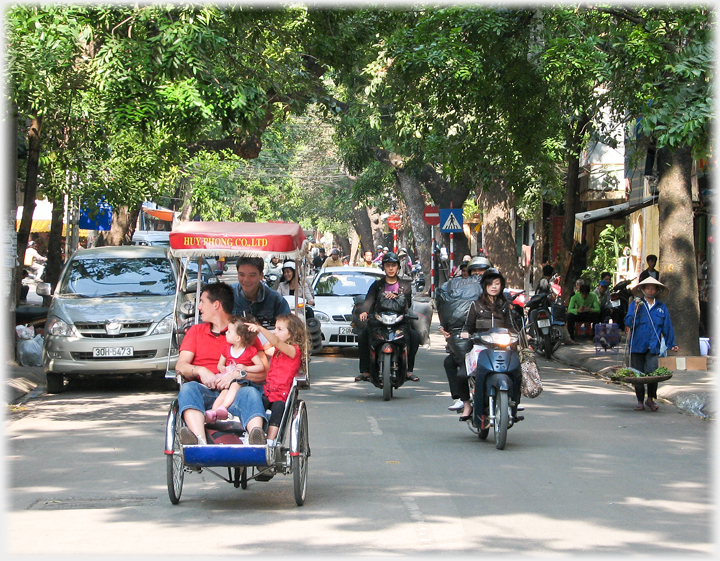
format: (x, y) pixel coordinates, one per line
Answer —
(543, 323)
(103, 352)
(346, 331)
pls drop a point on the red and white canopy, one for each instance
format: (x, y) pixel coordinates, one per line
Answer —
(233, 239)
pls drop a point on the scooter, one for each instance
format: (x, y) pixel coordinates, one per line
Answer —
(388, 347)
(418, 277)
(494, 385)
(545, 331)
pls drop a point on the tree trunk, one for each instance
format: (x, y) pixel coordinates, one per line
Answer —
(444, 196)
(54, 265)
(499, 238)
(123, 221)
(572, 206)
(31, 182)
(363, 227)
(539, 243)
(410, 189)
(186, 209)
(677, 259)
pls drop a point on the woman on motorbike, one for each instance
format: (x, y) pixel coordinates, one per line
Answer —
(290, 283)
(392, 287)
(491, 309)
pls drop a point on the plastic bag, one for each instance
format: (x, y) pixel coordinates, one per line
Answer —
(29, 351)
(663, 346)
(453, 300)
(24, 331)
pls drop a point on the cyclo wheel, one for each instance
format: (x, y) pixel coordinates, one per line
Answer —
(175, 462)
(387, 381)
(299, 462)
(501, 419)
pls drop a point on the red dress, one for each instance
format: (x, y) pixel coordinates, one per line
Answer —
(283, 370)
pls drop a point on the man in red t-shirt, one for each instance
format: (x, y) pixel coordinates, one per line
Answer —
(198, 361)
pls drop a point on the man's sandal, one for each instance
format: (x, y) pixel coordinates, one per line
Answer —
(362, 378)
(413, 378)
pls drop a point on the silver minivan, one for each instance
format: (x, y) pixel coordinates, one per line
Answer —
(111, 313)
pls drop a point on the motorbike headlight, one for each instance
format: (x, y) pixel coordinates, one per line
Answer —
(165, 326)
(59, 328)
(322, 316)
(498, 339)
(388, 318)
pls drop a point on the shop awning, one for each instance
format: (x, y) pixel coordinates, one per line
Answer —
(614, 211)
(160, 213)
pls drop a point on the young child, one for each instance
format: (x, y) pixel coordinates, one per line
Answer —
(288, 338)
(241, 356)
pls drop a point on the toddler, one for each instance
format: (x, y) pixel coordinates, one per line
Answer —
(241, 356)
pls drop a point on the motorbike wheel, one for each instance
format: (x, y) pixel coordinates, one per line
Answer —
(387, 382)
(502, 419)
(557, 337)
(547, 345)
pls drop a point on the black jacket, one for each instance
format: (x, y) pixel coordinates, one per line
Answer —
(481, 318)
(375, 288)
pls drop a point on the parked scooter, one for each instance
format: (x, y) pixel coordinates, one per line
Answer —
(388, 348)
(494, 386)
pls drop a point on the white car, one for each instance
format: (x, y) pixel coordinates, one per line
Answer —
(335, 289)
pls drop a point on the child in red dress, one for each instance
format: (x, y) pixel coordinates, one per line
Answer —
(289, 339)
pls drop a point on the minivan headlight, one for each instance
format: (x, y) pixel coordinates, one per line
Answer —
(59, 328)
(165, 326)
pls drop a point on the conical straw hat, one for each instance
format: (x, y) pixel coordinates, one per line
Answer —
(662, 290)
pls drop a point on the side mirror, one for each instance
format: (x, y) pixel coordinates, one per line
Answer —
(43, 289)
(191, 285)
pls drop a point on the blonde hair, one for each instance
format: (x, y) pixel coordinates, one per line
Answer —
(296, 328)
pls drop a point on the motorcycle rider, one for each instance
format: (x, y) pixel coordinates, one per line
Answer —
(334, 260)
(405, 264)
(33, 260)
(393, 287)
(490, 310)
(478, 265)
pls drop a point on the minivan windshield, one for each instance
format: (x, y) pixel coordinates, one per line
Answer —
(141, 276)
(344, 284)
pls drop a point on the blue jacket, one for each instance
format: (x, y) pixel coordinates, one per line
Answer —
(646, 328)
(269, 304)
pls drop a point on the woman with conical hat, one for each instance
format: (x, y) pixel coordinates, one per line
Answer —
(647, 321)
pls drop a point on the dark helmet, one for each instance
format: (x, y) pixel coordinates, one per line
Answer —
(479, 262)
(390, 257)
(492, 274)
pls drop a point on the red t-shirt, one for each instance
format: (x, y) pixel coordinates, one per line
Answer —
(283, 370)
(206, 345)
(245, 359)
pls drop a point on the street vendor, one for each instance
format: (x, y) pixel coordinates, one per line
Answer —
(646, 322)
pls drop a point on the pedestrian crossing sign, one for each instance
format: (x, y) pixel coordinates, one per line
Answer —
(451, 220)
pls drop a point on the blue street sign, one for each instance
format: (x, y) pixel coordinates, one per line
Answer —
(451, 220)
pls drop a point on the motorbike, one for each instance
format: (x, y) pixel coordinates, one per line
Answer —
(273, 276)
(497, 373)
(388, 348)
(418, 277)
(546, 334)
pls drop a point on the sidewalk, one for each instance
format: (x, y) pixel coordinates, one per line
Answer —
(689, 390)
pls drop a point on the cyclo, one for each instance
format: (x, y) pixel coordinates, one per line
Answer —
(225, 449)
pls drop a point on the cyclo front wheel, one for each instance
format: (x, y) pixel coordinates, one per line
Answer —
(299, 461)
(502, 419)
(175, 462)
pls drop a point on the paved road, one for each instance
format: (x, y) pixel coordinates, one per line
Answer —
(584, 473)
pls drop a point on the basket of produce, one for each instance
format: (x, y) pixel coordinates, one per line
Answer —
(633, 376)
